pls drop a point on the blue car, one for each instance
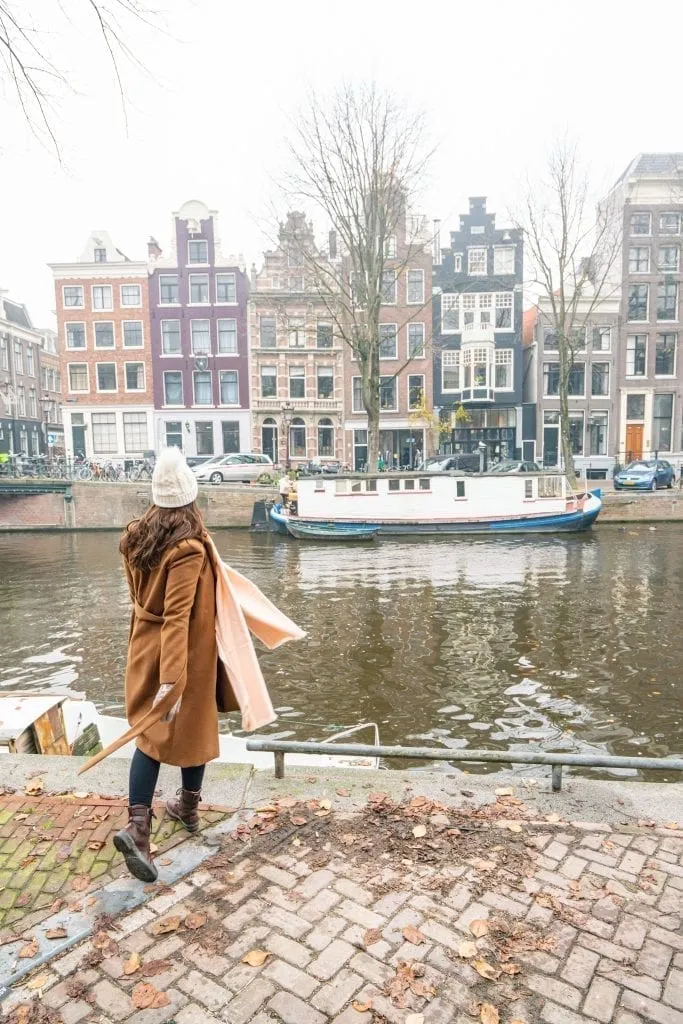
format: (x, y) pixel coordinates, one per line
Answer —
(645, 475)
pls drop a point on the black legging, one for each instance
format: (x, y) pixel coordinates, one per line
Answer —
(144, 772)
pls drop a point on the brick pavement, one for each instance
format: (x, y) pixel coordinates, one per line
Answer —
(582, 923)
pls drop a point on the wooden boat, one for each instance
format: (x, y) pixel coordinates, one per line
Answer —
(331, 531)
(432, 504)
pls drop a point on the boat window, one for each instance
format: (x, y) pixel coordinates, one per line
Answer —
(394, 485)
(425, 485)
(528, 488)
(356, 486)
(371, 485)
(550, 487)
(320, 484)
(460, 488)
(341, 486)
(408, 485)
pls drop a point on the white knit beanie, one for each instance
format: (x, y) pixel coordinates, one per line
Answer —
(173, 482)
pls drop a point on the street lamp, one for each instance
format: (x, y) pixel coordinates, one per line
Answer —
(287, 409)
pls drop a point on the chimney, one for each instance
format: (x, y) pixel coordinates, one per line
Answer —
(153, 249)
(436, 243)
(332, 244)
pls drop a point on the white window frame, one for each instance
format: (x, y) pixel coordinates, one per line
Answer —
(181, 403)
(420, 301)
(667, 376)
(134, 362)
(504, 357)
(610, 374)
(198, 263)
(649, 259)
(74, 323)
(670, 213)
(81, 304)
(587, 428)
(414, 408)
(636, 376)
(387, 359)
(298, 375)
(392, 301)
(228, 405)
(129, 348)
(130, 412)
(669, 269)
(268, 366)
(451, 359)
(200, 320)
(102, 309)
(171, 355)
(78, 391)
(457, 263)
(394, 407)
(450, 301)
(602, 327)
(233, 353)
(647, 311)
(390, 247)
(674, 320)
(497, 249)
(227, 302)
(422, 353)
(103, 348)
(207, 278)
(170, 304)
(644, 234)
(195, 403)
(475, 251)
(99, 452)
(575, 414)
(106, 391)
(353, 393)
(130, 305)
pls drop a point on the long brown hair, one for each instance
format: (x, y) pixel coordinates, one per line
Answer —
(147, 538)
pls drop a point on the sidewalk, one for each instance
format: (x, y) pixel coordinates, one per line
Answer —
(405, 910)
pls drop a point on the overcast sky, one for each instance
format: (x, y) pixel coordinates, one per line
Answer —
(499, 81)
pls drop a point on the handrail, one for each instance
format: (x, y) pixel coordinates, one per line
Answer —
(557, 761)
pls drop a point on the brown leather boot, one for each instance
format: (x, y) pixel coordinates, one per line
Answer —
(185, 809)
(133, 842)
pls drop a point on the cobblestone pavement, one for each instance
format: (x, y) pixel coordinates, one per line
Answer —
(57, 848)
(502, 919)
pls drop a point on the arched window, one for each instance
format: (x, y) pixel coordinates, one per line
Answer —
(325, 438)
(269, 439)
(297, 438)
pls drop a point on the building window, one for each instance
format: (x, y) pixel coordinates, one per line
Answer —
(636, 355)
(296, 284)
(19, 358)
(226, 288)
(416, 287)
(576, 432)
(669, 259)
(174, 434)
(416, 341)
(640, 224)
(170, 337)
(600, 380)
(297, 438)
(457, 263)
(229, 387)
(450, 313)
(297, 382)
(227, 337)
(325, 438)
(324, 334)
(130, 295)
(551, 380)
(635, 407)
(173, 387)
(32, 405)
(295, 256)
(638, 301)
(21, 396)
(504, 260)
(73, 296)
(104, 433)
(550, 343)
(4, 355)
(197, 250)
(200, 332)
(597, 433)
(325, 376)
(665, 355)
(135, 376)
(199, 289)
(203, 432)
(504, 369)
(267, 332)
(577, 339)
(450, 370)
(388, 343)
(357, 395)
(268, 381)
(132, 334)
(102, 297)
(75, 335)
(576, 384)
(669, 224)
(231, 436)
(104, 334)
(460, 488)
(388, 288)
(503, 310)
(135, 431)
(100, 255)
(476, 262)
(296, 331)
(662, 413)
(78, 377)
(168, 289)
(106, 376)
(602, 339)
(639, 259)
(30, 362)
(202, 387)
(416, 390)
(667, 300)
(387, 393)
(390, 247)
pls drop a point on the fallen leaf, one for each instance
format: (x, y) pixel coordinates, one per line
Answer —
(419, 831)
(29, 951)
(361, 1007)
(34, 787)
(132, 965)
(513, 826)
(95, 845)
(38, 982)
(288, 801)
(553, 818)
(479, 928)
(348, 839)
(6, 939)
(415, 1018)
(56, 933)
(255, 957)
(143, 995)
(311, 778)
(80, 796)
(322, 813)
(296, 841)
(672, 825)
(80, 883)
(342, 792)
(489, 1014)
(23, 899)
(165, 862)
(486, 970)
(268, 809)
(153, 967)
(414, 935)
(326, 804)
(153, 848)
(517, 1021)
(467, 950)
(298, 821)
(166, 925)
(505, 791)
(510, 968)
(195, 921)
(104, 942)
(160, 999)
(371, 936)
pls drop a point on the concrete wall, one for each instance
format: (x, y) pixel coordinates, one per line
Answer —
(102, 506)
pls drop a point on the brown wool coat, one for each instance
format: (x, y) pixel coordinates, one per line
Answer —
(173, 640)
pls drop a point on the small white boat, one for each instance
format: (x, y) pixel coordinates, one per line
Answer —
(66, 723)
(428, 504)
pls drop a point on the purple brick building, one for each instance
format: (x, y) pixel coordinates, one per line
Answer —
(198, 313)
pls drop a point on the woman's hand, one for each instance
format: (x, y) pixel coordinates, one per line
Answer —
(162, 692)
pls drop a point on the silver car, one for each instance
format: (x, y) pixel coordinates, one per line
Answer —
(239, 468)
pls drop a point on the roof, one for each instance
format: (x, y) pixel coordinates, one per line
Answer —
(654, 164)
(16, 314)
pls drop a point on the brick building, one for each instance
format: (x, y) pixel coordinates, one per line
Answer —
(20, 409)
(297, 377)
(198, 320)
(105, 357)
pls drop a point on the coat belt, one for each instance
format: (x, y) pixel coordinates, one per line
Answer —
(142, 613)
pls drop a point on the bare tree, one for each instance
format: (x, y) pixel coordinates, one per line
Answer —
(30, 71)
(358, 162)
(574, 254)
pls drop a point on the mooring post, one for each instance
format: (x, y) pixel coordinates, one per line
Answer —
(279, 764)
(557, 778)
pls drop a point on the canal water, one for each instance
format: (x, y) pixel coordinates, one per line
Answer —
(567, 643)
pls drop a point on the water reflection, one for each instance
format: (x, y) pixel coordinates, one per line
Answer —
(559, 643)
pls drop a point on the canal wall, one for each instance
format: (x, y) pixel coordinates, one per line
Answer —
(110, 506)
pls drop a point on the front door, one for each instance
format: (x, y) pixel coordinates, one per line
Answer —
(551, 438)
(78, 438)
(269, 441)
(634, 442)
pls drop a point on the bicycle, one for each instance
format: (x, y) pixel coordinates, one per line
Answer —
(141, 471)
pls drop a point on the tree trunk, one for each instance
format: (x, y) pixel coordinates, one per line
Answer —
(370, 378)
(566, 363)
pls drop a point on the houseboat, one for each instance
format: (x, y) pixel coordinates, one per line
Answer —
(427, 504)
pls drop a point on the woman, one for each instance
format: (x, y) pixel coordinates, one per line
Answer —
(171, 650)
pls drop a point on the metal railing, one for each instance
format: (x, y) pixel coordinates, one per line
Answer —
(556, 761)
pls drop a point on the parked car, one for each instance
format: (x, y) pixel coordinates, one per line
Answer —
(515, 467)
(316, 466)
(239, 468)
(465, 463)
(645, 475)
(195, 461)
